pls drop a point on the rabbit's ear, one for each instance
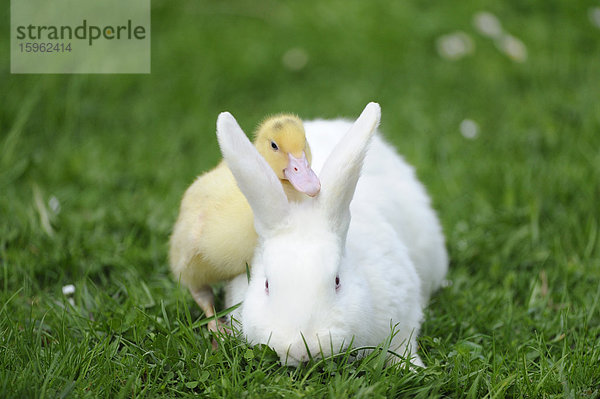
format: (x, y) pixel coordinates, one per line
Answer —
(342, 168)
(254, 176)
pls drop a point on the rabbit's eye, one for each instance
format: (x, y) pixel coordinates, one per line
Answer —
(337, 282)
(267, 286)
(274, 146)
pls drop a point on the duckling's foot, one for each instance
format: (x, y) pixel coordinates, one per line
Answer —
(205, 298)
(220, 328)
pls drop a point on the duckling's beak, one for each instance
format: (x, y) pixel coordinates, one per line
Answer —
(302, 177)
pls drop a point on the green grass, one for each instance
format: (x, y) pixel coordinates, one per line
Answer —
(519, 204)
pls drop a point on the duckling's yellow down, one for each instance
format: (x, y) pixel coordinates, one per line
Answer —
(214, 235)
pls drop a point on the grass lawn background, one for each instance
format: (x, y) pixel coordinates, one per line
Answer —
(92, 168)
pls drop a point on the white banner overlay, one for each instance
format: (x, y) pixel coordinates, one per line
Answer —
(80, 36)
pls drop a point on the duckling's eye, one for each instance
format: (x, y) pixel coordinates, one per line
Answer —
(274, 146)
(267, 286)
(337, 283)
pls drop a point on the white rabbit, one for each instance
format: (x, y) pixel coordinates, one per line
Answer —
(319, 281)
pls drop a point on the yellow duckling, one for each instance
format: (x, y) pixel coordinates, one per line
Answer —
(214, 237)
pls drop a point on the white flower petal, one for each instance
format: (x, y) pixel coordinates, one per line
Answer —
(469, 129)
(594, 14)
(68, 289)
(487, 24)
(454, 46)
(514, 48)
(54, 204)
(295, 59)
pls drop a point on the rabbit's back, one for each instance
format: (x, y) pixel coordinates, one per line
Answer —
(389, 187)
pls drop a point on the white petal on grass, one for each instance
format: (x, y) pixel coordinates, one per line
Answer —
(295, 59)
(68, 289)
(594, 14)
(455, 45)
(487, 24)
(42, 211)
(462, 226)
(54, 204)
(514, 48)
(469, 129)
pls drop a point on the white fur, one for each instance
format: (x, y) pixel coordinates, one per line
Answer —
(389, 256)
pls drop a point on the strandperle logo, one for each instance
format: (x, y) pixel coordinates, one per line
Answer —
(83, 36)
(84, 31)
